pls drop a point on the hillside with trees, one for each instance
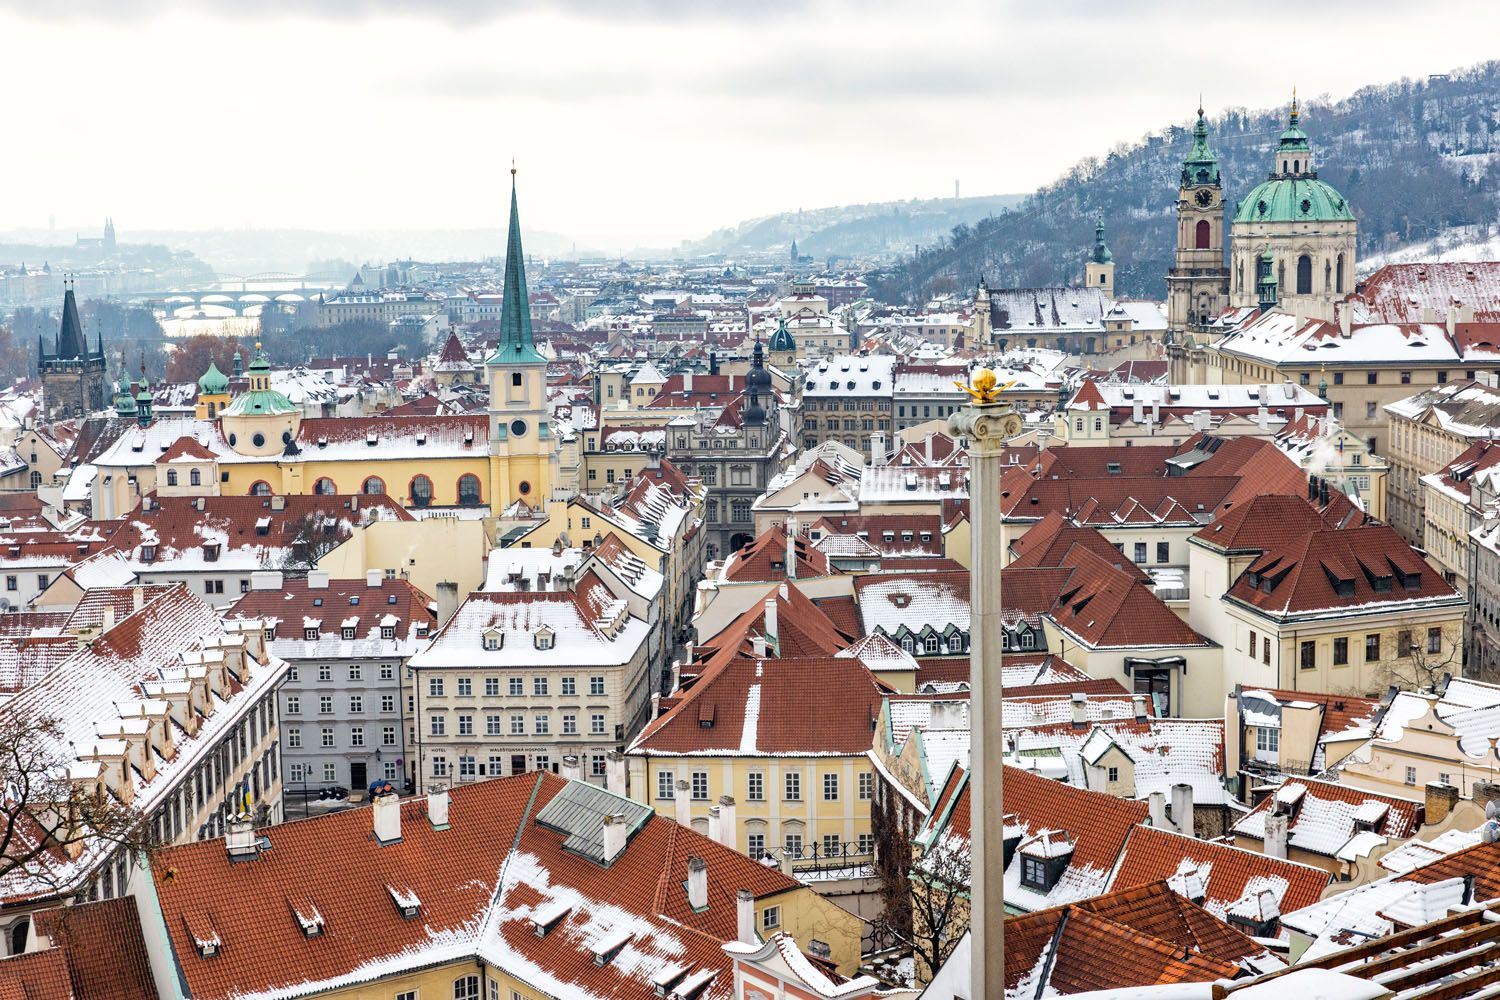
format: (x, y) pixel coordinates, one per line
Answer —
(1414, 158)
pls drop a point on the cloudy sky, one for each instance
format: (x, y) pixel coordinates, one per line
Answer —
(634, 122)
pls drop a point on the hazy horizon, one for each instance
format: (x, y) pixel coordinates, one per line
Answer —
(634, 124)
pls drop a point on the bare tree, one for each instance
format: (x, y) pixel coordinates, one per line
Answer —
(308, 539)
(49, 817)
(930, 912)
(1425, 656)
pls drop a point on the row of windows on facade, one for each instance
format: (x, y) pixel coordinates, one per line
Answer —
(327, 739)
(301, 772)
(469, 766)
(1333, 276)
(811, 423)
(467, 987)
(437, 725)
(1307, 650)
(419, 489)
(355, 672)
(934, 644)
(515, 686)
(755, 785)
(739, 511)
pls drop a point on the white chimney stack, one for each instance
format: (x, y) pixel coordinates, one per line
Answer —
(728, 831)
(1157, 804)
(1080, 706)
(239, 841)
(1139, 702)
(682, 805)
(374, 577)
(1182, 808)
(386, 815)
(614, 765)
(614, 838)
(744, 913)
(1274, 843)
(713, 823)
(773, 635)
(698, 883)
(137, 598)
(109, 618)
(317, 580)
(437, 807)
(572, 769)
(791, 548)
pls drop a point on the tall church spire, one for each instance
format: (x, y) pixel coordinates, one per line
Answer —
(70, 343)
(516, 343)
(1200, 167)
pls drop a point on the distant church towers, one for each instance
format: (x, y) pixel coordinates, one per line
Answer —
(109, 235)
(1099, 271)
(1198, 282)
(72, 376)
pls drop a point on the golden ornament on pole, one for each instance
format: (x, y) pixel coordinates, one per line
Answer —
(985, 388)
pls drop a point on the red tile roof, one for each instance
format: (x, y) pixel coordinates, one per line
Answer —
(1048, 542)
(1322, 818)
(102, 948)
(1230, 872)
(764, 558)
(1402, 293)
(294, 600)
(1146, 935)
(778, 706)
(188, 448)
(478, 882)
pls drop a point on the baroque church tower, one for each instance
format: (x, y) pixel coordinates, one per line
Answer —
(1198, 282)
(520, 430)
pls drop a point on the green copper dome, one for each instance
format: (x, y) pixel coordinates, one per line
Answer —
(1101, 254)
(1293, 193)
(213, 382)
(782, 339)
(1293, 199)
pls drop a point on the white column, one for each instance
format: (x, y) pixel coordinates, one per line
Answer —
(986, 426)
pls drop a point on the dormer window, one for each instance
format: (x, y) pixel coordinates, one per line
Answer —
(389, 631)
(545, 638)
(148, 553)
(493, 639)
(311, 633)
(347, 632)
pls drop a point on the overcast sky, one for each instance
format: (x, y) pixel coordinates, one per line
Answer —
(634, 121)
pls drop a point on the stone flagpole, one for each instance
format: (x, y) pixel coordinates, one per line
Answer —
(987, 423)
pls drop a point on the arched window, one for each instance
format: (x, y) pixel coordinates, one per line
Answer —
(908, 644)
(931, 645)
(171, 477)
(466, 988)
(1338, 276)
(373, 486)
(1296, 166)
(260, 488)
(195, 477)
(421, 491)
(1098, 424)
(468, 490)
(325, 487)
(1304, 275)
(1201, 235)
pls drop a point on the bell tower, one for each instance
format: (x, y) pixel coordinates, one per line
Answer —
(521, 446)
(1198, 282)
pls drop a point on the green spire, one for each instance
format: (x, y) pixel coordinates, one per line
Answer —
(1101, 254)
(516, 343)
(1294, 140)
(1200, 167)
(213, 382)
(782, 339)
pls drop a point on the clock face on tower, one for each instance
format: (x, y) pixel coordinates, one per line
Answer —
(1204, 197)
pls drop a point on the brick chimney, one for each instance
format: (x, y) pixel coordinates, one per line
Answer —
(1441, 798)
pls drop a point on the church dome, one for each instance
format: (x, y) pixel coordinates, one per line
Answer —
(213, 382)
(1293, 199)
(1293, 193)
(782, 339)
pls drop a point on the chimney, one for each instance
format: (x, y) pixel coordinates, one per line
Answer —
(278, 503)
(1080, 710)
(1139, 703)
(1441, 798)
(1138, 410)
(1322, 493)
(744, 913)
(791, 548)
(374, 578)
(928, 443)
(385, 814)
(447, 601)
(1345, 316)
(1182, 808)
(266, 579)
(728, 831)
(1157, 803)
(697, 884)
(1273, 845)
(109, 618)
(137, 598)
(948, 715)
(437, 807)
(614, 768)
(877, 448)
(317, 580)
(572, 770)
(240, 841)
(687, 381)
(758, 646)
(682, 805)
(713, 823)
(614, 837)
(1452, 319)
(773, 635)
